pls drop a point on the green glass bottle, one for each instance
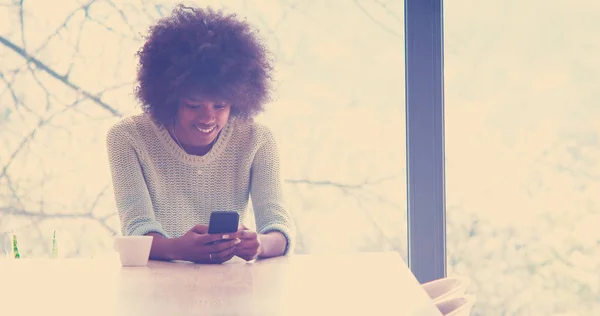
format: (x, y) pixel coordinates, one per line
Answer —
(54, 246)
(15, 247)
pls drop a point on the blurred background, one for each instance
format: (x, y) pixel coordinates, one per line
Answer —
(522, 133)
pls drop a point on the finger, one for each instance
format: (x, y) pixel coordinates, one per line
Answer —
(200, 229)
(235, 235)
(223, 255)
(216, 257)
(227, 258)
(247, 234)
(223, 245)
(249, 258)
(244, 248)
(248, 244)
(210, 238)
(242, 227)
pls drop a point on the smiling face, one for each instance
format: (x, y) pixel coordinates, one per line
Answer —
(199, 122)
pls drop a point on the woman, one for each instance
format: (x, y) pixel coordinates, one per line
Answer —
(202, 76)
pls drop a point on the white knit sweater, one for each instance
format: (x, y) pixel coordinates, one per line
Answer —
(160, 188)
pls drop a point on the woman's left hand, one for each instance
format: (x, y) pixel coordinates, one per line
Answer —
(250, 247)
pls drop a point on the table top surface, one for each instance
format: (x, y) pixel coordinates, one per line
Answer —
(351, 284)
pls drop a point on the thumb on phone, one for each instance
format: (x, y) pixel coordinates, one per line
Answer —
(243, 227)
(200, 229)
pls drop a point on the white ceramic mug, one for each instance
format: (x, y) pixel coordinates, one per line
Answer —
(134, 251)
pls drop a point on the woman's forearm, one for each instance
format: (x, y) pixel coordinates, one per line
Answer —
(272, 244)
(163, 248)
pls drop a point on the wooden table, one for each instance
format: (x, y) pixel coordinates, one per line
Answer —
(356, 284)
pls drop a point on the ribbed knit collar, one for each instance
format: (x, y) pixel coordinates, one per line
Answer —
(170, 145)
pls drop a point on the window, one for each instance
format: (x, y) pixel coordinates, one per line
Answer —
(338, 117)
(522, 170)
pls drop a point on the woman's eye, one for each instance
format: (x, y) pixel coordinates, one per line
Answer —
(219, 106)
(191, 106)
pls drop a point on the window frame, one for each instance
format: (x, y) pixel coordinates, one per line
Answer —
(425, 162)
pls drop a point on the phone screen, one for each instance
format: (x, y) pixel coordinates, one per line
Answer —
(222, 222)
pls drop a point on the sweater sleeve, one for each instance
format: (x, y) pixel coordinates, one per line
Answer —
(266, 192)
(132, 198)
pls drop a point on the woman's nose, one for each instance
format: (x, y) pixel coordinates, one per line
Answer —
(206, 116)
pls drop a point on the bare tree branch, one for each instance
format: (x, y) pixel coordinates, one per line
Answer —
(357, 192)
(76, 50)
(124, 18)
(25, 140)
(13, 190)
(344, 186)
(22, 22)
(376, 224)
(114, 87)
(388, 11)
(28, 213)
(107, 27)
(12, 92)
(372, 18)
(324, 183)
(40, 215)
(61, 78)
(98, 197)
(63, 25)
(16, 100)
(20, 147)
(37, 80)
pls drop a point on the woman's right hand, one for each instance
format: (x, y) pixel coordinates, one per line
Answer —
(198, 246)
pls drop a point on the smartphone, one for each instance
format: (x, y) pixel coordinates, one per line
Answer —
(222, 222)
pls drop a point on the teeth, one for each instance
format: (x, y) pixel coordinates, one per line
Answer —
(205, 130)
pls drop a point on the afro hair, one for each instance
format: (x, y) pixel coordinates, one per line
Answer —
(207, 52)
